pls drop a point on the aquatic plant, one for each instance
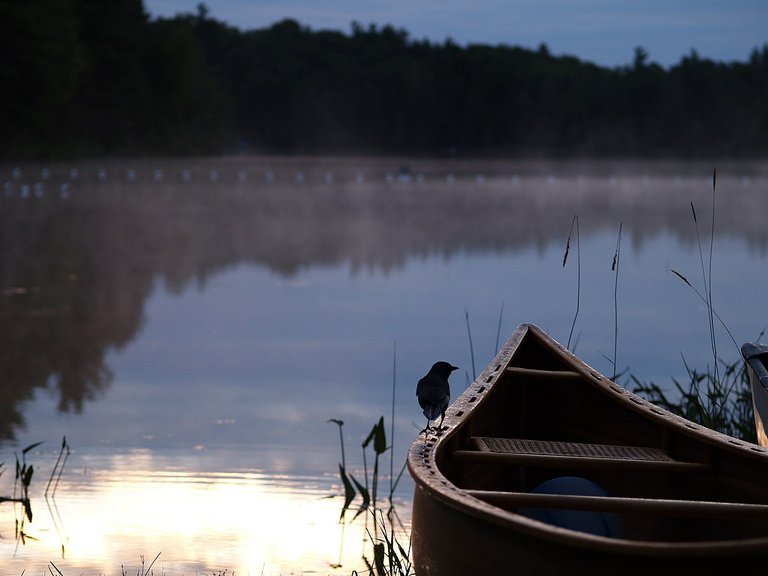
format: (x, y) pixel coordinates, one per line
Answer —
(718, 400)
(390, 557)
(722, 402)
(21, 483)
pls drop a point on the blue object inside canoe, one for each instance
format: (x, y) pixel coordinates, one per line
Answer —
(597, 523)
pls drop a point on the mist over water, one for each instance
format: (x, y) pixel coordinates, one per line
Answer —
(191, 325)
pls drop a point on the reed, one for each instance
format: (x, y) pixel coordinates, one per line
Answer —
(392, 423)
(615, 268)
(498, 329)
(574, 227)
(719, 398)
(21, 483)
(142, 570)
(390, 557)
(471, 346)
(720, 401)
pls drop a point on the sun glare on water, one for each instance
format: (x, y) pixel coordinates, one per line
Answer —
(245, 522)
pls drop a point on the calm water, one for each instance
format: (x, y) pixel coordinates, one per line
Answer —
(191, 327)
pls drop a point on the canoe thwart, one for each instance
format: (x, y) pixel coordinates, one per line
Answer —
(538, 374)
(571, 455)
(651, 506)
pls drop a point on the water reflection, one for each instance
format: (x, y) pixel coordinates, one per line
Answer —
(192, 326)
(76, 269)
(112, 508)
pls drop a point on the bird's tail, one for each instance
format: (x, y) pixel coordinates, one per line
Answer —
(432, 412)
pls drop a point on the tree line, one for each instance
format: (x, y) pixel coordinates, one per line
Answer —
(93, 78)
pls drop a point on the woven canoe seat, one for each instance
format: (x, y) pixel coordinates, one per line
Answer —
(574, 455)
(548, 448)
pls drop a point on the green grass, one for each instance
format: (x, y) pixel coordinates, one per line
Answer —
(720, 400)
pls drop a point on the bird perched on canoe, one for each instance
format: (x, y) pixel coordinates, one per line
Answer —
(434, 392)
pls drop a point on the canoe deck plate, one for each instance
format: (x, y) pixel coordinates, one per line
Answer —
(573, 449)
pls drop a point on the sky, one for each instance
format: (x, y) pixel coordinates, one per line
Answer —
(605, 32)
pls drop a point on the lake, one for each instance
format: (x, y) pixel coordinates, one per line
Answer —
(192, 325)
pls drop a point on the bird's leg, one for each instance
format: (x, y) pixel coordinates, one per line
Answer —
(427, 429)
(440, 426)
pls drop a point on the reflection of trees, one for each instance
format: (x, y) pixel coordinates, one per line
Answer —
(69, 294)
(75, 272)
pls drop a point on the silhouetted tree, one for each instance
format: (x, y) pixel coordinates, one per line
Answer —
(40, 70)
(93, 77)
(112, 106)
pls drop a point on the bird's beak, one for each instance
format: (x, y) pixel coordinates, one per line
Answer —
(454, 368)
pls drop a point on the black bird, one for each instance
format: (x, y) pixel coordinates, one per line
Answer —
(434, 392)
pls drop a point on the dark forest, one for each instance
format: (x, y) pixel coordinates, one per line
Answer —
(92, 78)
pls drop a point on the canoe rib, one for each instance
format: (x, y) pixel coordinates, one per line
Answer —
(510, 451)
(651, 506)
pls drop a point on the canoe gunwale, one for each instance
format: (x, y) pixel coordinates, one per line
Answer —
(424, 461)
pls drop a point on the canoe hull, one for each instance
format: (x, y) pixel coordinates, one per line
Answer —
(448, 542)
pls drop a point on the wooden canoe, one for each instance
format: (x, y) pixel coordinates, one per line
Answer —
(756, 358)
(686, 500)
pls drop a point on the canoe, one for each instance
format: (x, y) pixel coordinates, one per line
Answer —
(545, 466)
(756, 359)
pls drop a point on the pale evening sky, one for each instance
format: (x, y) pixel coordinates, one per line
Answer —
(605, 32)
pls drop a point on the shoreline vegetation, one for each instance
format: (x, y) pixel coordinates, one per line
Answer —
(718, 399)
(105, 79)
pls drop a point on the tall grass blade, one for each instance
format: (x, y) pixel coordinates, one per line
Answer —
(615, 267)
(498, 328)
(397, 480)
(706, 273)
(149, 568)
(392, 423)
(471, 347)
(62, 455)
(709, 293)
(714, 312)
(574, 226)
(683, 278)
